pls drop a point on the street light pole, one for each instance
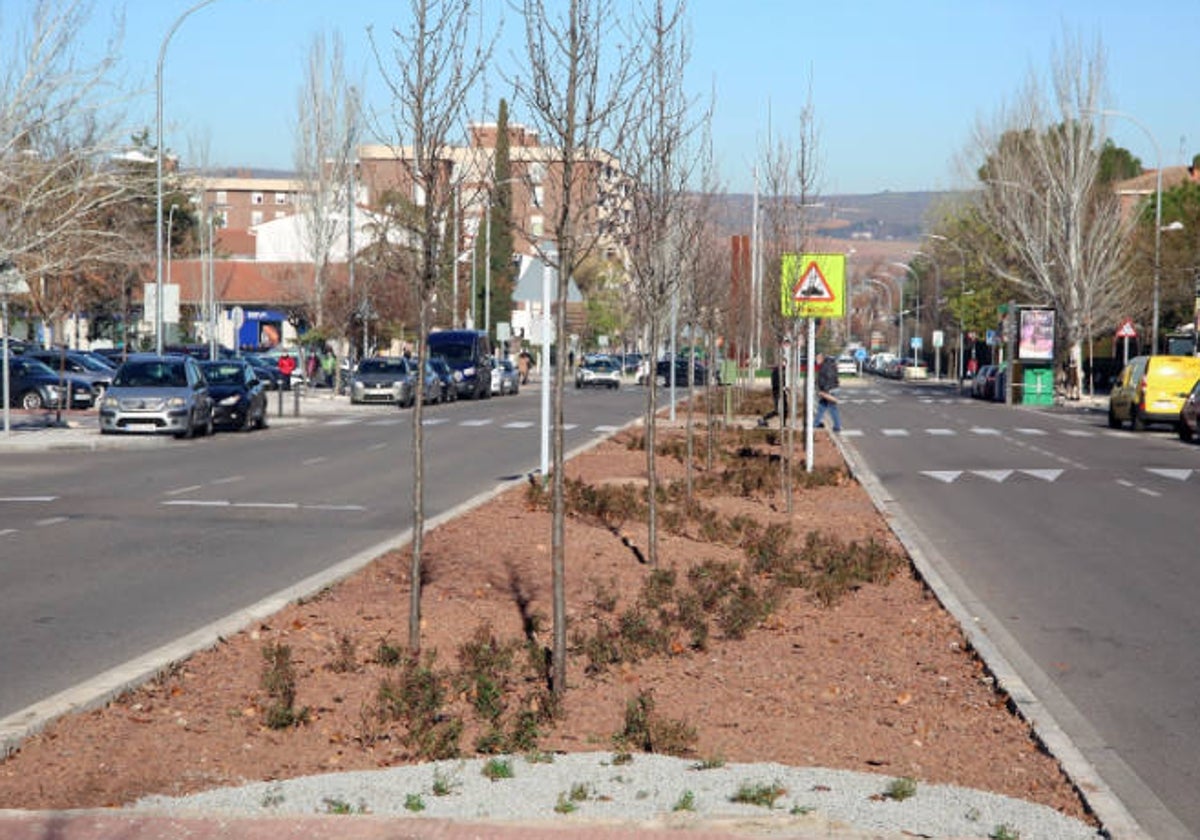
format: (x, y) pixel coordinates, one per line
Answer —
(962, 281)
(888, 289)
(1157, 223)
(158, 177)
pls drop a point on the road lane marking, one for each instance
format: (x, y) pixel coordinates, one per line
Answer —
(851, 433)
(433, 421)
(197, 503)
(8, 531)
(28, 498)
(1044, 475)
(518, 424)
(895, 432)
(1030, 431)
(279, 505)
(1079, 433)
(944, 476)
(181, 490)
(1178, 475)
(484, 422)
(233, 479)
(994, 475)
(393, 422)
(53, 520)
(375, 446)
(941, 432)
(1148, 492)
(605, 429)
(308, 462)
(344, 421)
(984, 430)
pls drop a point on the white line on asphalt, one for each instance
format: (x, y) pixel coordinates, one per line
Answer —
(944, 476)
(334, 507)
(308, 462)
(941, 432)
(852, 433)
(1178, 475)
(517, 424)
(375, 446)
(895, 432)
(343, 421)
(434, 421)
(1044, 475)
(483, 422)
(994, 475)
(280, 505)
(1030, 431)
(569, 426)
(8, 531)
(984, 430)
(53, 520)
(180, 490)
(28, 498)
(393, 422)
(233, 479)
(606, 429)
(1148, 492)
(198, 503)
(1125, 483)
(1080, 433)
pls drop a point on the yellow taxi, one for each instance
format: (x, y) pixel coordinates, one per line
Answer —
(1152, 389)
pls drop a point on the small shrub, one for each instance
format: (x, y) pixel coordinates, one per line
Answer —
(604, 595)
(580, 792)
(686, 802)
(711, 579)
(1003, 832)
(443, 785)
(640, 635)
(745, 608)
(491, 742)
(498, 768)
(344, 654)
(341, 807)
(658, 588)
(692, 617)
(900, 789)
(416, 698)
(525, 732)
(710, 763)
(279, 681)
(565, 805)
(646, 731)
(387, 654)
(836, 568)
(413, 802)
(761, 794)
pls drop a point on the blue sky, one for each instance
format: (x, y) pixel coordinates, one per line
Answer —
(898, 87)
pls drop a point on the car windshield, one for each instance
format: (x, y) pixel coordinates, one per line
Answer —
(151, 374)
(457, 352)
(33, 367)
(392, 366)
(92, 364)
(220, 373)
(603, 365)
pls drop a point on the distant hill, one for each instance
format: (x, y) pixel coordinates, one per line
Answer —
(877, 216)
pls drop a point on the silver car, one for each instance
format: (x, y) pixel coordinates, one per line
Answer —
(382, 379)
(158, 395)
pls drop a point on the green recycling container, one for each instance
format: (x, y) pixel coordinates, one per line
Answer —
(1039, 386)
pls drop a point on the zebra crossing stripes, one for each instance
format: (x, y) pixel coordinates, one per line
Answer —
(996, 476)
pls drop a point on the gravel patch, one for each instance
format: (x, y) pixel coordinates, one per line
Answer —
(643, 789)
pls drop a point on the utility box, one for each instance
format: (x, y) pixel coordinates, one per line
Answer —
(728, 371)
(1038, 385)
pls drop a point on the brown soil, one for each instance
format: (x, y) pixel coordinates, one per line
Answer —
(881, 680)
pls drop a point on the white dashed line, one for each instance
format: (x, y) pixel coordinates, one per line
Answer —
(198, 503)
(1044, 475)
(233, 479)
(1148, 492)
(334, 507)
(475, 423)
(895, 432)
(309, 462)
(993, 475)
(344, 421)
(395, 422)
(1030, 431)
(984, 430)
(944, 476)
(181, 490)
(518, 424)
(941, 432)
(851, 433)
(275, 505)
(8, 531)
(375, 446)
(28, 498)
(1079, 433)
(605, 429)
(53, 520)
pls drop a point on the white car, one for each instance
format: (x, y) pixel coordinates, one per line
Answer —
(599, 373)
(847, 366)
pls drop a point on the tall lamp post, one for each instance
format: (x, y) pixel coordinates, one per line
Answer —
(888, 290)
(962, 281)
(1157, 223)
(158, 177)
(917, 307)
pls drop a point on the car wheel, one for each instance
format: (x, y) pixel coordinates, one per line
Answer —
(262, 418)
(208, 426)
(32, 401)
(190, 431)
(1185, 432)
(248, 423)
(1113, 421)
(1136, 423)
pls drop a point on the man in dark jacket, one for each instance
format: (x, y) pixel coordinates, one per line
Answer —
(827, 385)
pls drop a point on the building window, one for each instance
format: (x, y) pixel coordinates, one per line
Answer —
(281, 198)
(539, 196)
(256, 198)
(222, 197)
(256, 217)
(538, 225)
(537, 173)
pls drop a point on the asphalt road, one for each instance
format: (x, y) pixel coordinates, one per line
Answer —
(108, 555)
(1077, 544)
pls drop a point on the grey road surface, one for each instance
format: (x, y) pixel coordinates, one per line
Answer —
(1080, 543)
(107, 555)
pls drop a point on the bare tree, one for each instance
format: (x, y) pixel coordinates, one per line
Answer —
(59, 138)
(579, 111)
(435, 62)
(661, 160)
(1066, 239)
(327, 112)
(791, 171)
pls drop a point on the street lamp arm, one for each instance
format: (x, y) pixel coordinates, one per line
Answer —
(158, 175)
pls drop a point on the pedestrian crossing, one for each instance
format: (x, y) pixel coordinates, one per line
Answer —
(979, 432)
(1049, 476)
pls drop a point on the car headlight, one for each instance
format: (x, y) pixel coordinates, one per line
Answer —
(469, 371)
(458, 377)
(232, 399)
(54, 391)
(110, 402)
(176, 402)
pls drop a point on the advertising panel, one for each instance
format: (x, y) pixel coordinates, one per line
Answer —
(1036, 339)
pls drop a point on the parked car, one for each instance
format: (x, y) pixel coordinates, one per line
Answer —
(631, 362)
(1189, 415)
(847, 366)
(239, 397)
(159, 395)
(382, 379)
(1152, 389)
(505, 379)
(469, 353)
(266, 370)
(446, 377)
(599, 373)
(32, 386)
(81, 365)
(432, 392)
(664, 370)
(983, 386)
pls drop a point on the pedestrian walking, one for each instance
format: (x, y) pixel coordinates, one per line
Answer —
(523, 363)
(827, 387)
(287, 366)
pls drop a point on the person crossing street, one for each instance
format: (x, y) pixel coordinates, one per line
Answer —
(827, 386)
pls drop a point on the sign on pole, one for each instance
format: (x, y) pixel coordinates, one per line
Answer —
(813, 286)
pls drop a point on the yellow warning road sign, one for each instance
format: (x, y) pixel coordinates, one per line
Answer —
(813, 286)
